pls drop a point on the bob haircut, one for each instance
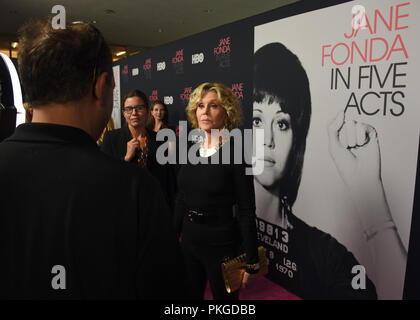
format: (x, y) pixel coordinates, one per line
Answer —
(227, 99)
(137, 93)
(151, 119)
(280, 77)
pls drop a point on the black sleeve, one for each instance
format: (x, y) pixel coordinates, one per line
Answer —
(161, 271)
(245, 200)
(179, 212)
(114, 145)
(334, 264)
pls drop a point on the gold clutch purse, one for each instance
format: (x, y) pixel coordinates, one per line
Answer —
(233, 270)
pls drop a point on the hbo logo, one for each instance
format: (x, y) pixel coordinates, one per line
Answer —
(161, 66)
(197, 58)
(168, 100)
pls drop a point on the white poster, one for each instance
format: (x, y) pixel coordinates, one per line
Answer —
(116, 111)
(360, 158)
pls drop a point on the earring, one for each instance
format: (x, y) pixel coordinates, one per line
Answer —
(286, 211)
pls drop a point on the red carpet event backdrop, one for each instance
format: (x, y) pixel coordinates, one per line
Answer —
(360, 142)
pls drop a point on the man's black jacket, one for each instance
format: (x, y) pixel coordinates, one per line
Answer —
(64, 203)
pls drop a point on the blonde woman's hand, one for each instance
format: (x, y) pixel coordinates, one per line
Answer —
(248, 280)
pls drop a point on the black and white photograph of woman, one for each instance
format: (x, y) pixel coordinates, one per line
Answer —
(304, 259)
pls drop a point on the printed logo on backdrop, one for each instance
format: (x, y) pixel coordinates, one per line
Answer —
(185, 96)
(222, 52)
(197, 58)
(135, 72)
(178, 62)
(147, 67)
(154, 96)
(125, 69)
(168, 100)
(160, 66)
(237, 89)
(344, 57)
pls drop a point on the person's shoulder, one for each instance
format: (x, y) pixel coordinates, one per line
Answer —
(117, 137)
(311, 232)
(111, 164)
(115, 133)
(320, 243)
(151, 133)
(122, 172)
(171, 127)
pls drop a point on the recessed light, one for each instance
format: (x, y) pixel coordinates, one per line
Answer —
(208, 11)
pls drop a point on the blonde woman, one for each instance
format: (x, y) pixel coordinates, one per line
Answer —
(208, 192)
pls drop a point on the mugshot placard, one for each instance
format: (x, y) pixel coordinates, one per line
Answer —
(336, 92)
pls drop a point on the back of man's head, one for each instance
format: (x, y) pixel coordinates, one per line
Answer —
(60, 65)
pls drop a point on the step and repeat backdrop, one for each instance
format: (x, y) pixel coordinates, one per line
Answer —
(336, 90)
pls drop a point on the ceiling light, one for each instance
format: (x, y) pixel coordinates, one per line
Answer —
(160, 30)
(109, 11)
(208, 11)
(14, 45)
(120, 53)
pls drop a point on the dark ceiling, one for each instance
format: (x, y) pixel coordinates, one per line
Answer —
(137, 24)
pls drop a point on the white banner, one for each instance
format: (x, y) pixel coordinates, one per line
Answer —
(116, 111)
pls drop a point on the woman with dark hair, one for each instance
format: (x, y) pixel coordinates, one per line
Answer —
(136, 144)
(285, 97)
(303, 259)
(158, 117)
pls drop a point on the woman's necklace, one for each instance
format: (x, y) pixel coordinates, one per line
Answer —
(208, 152)
(142, 152)
(285, 211)
(158, 126)
(142, 159)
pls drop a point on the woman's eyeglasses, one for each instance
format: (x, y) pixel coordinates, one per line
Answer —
(129, 110)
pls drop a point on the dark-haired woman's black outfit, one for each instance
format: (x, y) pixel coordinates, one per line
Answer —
(115, 145)
(215, 208)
